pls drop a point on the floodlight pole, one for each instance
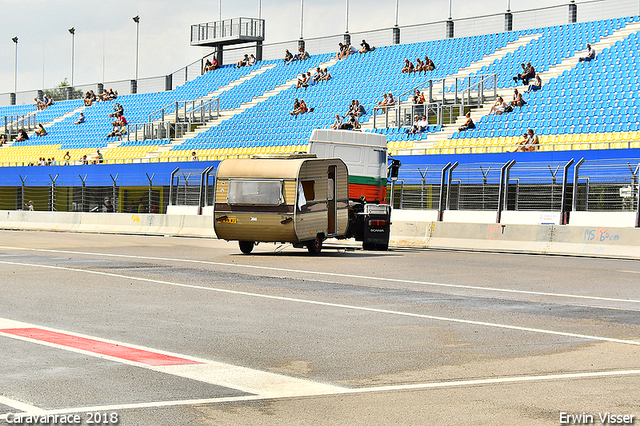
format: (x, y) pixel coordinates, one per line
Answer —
(15, 74)
(72, 31)
(301, 19)
(136, 19)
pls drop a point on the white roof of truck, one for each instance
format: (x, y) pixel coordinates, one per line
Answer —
(349, 137)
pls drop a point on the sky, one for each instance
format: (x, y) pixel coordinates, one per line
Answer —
(105, 33)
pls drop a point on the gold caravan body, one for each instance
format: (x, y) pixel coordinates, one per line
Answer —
(290, 200)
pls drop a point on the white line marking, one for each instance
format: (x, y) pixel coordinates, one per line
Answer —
(248, 380)
(390, 388)
(630, 272)
(335, 274)
(21, 406)
(333, 305)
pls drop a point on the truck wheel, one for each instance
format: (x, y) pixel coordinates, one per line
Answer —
(246, 246)
(315, 246)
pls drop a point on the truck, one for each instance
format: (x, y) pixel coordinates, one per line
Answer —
(337, 189)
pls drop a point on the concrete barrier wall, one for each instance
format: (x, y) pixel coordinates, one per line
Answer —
(409, 229)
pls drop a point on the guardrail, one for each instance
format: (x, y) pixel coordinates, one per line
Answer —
(193, 111)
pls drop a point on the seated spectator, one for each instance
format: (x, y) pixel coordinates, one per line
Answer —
(84, 160)
(365, 47)
(87, 99)
(39, 104)
(48, 101)
(418, 97)
(118, 110)
(354, 122)
(296, 107)
(337, 124)
(207, 67)
(307, 79)
(423, 124)
(517, 101)
(351, 49)
(302, 78)
(532, 142)
(468, 124)
(41, 131)
(317, 77)
(383, 103)
(252, 60)
(3, 139)
(536, 85)
(99, 157)
(80, 119)
(414, 129)
(390, 99)
(325, 75)
(528, 73)
(499, 107)
(359, 109)
(67, 158)
(520, 145)
(428, 63)
(342, 51)
(419, 67)
(591, 54)
(113, 94)
(288, 57)
(408, 66)
(302, 55)
(194, 157)
(243, 62)
(214, 64)
(22, 136)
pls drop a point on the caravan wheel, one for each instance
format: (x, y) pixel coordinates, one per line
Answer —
(315, 246)
(246, 246)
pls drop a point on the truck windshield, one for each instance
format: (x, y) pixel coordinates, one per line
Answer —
(255, 192)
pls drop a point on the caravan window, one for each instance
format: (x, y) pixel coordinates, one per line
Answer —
(255, 192)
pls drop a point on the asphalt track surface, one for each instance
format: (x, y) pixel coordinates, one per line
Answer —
(183, 331)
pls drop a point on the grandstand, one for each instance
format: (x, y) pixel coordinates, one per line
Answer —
(588, 107)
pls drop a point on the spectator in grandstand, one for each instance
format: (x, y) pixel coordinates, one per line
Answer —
(307, 79)
(383, 103)
(591, 54)
(48, 101)
(67, 158)
(423, 124)
(408, 66)
(391, 101)
(365, 47)
(214, 64)
(301, 109)
(418, 97)
(353, 121)
(252, 60)
(359, 109)
(351, 49)
(528, 73)
(99, 157)
(337, 124)
(325, 75)
(537, 84)
(317, 77)
(499, 107)
(517, 101)
(208, 66)
(302, 55)
(243, 62)
(532, 141)
(39, 104)
(194, 157)
(468, 124)
(22, 136)
(342, 51)
(428, 63)
(29, 206)
(87, 99)
(419, 66)
(414, 129)
(288, 57)
(41, 131)
(84, 160)
(80, 119)
(3, 139)
(296, 106)
(118, 110)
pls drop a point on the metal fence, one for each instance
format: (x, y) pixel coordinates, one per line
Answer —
(587, 10)
(592, 185)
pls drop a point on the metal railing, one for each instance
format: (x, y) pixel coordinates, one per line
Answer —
(13, 123)
(193, 112)
(446, 100)
(228, 28)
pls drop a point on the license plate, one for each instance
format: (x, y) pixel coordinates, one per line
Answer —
(226, 220)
